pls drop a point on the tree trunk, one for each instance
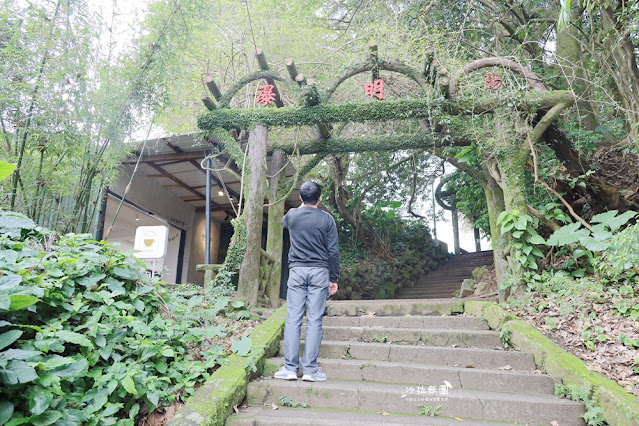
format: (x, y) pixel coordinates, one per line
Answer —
(477, 239)
(275, 237)
(495, 203)
(249, 284)
(626, 76)
(569, 54)
(512, 166)
(455, 218)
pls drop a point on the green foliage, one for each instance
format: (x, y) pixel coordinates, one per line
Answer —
(371, 277)
(288, 402)
(594, 415)
(592, 336)
(622, 253)
(524, 240)
(427, 410)
(504, 336)
(310, 115)
(86, 339)
(6, 169)
(593, 245)
(471, 200)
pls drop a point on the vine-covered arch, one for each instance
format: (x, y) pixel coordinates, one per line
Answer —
(500, 175)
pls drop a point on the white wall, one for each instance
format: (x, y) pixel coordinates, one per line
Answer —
(149, 194)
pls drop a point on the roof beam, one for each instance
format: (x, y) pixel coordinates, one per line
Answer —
(189, 188)
(197, 165)
(177, 156)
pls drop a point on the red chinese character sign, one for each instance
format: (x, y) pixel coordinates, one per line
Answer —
(492, 81)
(265, 94)
(375, 89)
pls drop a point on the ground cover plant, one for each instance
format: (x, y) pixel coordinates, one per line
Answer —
(585, 296)
(87, 338)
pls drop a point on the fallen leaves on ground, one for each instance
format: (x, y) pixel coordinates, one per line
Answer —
(609, 357)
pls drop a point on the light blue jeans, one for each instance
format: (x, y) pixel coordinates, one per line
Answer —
(307, 288)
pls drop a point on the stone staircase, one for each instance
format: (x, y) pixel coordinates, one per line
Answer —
(444, 281)
(394, 362)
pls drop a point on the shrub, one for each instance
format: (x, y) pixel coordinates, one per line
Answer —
(85, 337)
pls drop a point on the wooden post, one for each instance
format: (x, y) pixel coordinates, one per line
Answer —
(275, 233)
(249, 283)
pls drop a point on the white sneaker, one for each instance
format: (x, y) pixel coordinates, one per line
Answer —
(285, 374)
(318, 376)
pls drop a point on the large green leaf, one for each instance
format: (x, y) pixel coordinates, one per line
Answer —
(76, 338)
(9, 281)
(9, 337)
(593, 244)
(17, 372)
(567, 234)
(18, 354)
(39, 399)
(6, 169)
(12, 220)
(71, 369)
(5, 302)
(46, 418)
(6, 410)
(21, 301)
(612, 220)
(129, 385)
(242, 347)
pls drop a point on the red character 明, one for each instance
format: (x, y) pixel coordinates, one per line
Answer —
(492, 81)
(265, 94)
(375, 89)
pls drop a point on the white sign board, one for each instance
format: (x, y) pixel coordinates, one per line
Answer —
(151, 241)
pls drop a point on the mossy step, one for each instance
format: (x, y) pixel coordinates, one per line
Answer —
(376, 397)
(415, 374)
(425, 322)
(429, 355)
(266, 416)
(432, 337)
(395, 307)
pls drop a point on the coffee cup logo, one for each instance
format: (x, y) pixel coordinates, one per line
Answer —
(149, 238)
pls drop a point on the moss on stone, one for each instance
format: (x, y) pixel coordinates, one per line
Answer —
(213, 402)
(474, 308)
(620, 407)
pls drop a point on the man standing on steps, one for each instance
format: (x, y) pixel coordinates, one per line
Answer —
(313, 261)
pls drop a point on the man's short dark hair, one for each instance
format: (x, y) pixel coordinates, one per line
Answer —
(310, 192)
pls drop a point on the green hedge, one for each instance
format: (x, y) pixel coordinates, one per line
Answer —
(381, 279)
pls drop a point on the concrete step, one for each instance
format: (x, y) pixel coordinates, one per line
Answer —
(392, 398)
(395, 307)
(419, 375)
(266, 416)
(427, 322)
(429, 355)
(432, 337)
(258, 416)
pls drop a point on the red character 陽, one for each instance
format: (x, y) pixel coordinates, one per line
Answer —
(492, 81)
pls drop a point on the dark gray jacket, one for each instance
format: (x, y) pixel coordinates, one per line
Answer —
(313, 235)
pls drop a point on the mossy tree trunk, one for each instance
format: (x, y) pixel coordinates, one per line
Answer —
(275, 232)
(495, 203)
(248, 285)
(512, 167)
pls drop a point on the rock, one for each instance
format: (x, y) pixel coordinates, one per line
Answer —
(467, 287)
(480, 288)
(480, 273)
